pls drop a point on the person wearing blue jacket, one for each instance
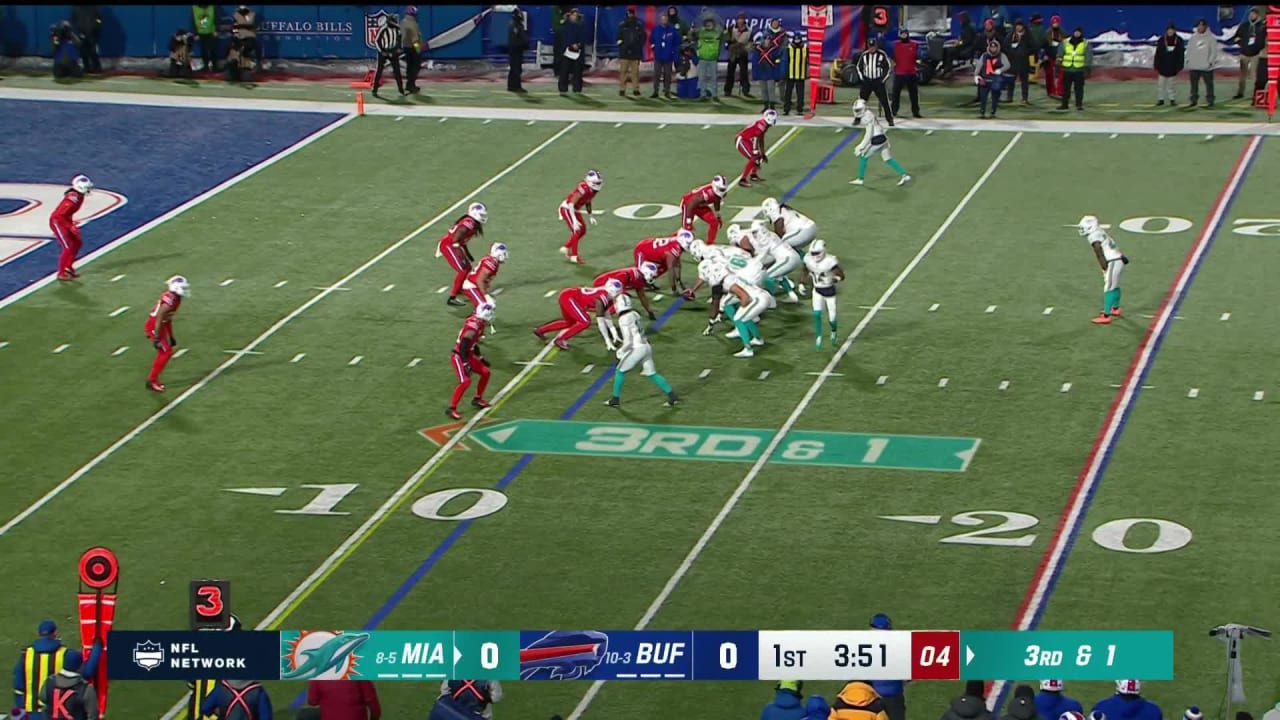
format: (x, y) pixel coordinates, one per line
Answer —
(786, 705)
(770, 45)
(1128, 703)
(664, 41)
(892, 692)
(575, 36)
(817, 708)
(1051, 703)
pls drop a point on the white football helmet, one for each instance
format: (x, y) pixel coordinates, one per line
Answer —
(1051, 685)
(771, 117)
(818, 249)
(613, 287)
(82, 184)
(720, 185)
(859, 107)
(478, 212)
(622, 303)
(648, 271)
(734, 233)
(499, 252)
(684, 238)
(595, 180)
(759, 227)
(698, 249)
(178, 285)
(772, 208)
(713, 273)
(1071, 715)
(485, 311)
(1128, 687)
(1087, 225)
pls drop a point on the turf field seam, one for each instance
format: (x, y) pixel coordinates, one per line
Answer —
(790, 422)
(221, 187)
(271, 331)
(1049, 570)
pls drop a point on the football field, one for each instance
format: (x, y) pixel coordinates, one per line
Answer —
(972, 453)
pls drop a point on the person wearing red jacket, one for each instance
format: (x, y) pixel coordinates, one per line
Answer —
(905, 52)
(344, 699)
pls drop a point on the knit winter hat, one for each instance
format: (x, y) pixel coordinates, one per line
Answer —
(1192, 713)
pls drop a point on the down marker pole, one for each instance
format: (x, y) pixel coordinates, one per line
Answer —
(1273, 58)
(817, 18)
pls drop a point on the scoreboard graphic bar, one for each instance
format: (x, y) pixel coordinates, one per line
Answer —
(641, 655)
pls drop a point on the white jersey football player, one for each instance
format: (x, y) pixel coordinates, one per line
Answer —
(779, 258)
(873, 140)
(1112, 262)
(635, 351)
(795, 228)
(824, 271)
(744, 303)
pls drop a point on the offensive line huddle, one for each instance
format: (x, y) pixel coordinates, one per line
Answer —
(743, 277)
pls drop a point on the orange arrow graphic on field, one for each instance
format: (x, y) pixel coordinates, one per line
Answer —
(440, 434)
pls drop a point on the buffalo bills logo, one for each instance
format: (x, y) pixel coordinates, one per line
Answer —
(564, 654)
(372, 24)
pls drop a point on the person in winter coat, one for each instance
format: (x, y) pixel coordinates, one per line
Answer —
(971, 705)
(630, 53)
(575, 36)
(998, 15)
(1039, 36)
(739, 38)
(517, 44)
(708, 13)
(206, 25)
(787, 702)
(244, 24)
(988, 75)
(1128, 703)
(710, 39)
(1020, 49)
(1251, 38)
(1201, 56)
(411, 41)
(816, 708)
(180, 54)
(88, 21)
(905, 53)
(1076, 57)
(1049, 51)
(677, 22)
(1051, 703)
(664, 41)
(66, 50)
(991, 31)
(770, 61)
(966, 49)
(1022, 706)
(344, 699)
(857, 701)
(1171, 56)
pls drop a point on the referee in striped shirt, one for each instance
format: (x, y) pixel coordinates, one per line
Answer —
(874, 68)
(389, 43)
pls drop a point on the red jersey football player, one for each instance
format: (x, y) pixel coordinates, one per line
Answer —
(62, 223)
(481, 278)
(665, 252)
(453, 246)
(576, 306)
(636, 278)
(751, 146)
(159, 327)
(571, 212)
(704, 202)
(467, 360)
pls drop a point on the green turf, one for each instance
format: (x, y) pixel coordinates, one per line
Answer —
(591, 542)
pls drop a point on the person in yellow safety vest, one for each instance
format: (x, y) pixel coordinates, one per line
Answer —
(857, 700)
(202, 689)
(1075, 58)
(44, 657)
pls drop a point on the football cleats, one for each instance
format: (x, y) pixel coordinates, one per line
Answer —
(613, 287)
(485, 311)
(478, 212)
(771, 208)
(595, 180)
(771, 117)
(499, 252)
(1087, 225)
(719, 185)
(698, 249)
(684, 238)
(82, 184)
(179, 286)
(621, 304)
(818, 249)
(734, 233)
(648, 271)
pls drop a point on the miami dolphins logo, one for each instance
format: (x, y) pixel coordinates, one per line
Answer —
(322, 655)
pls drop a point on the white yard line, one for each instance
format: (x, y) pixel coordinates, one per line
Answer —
(279, 324)
(211, 192)
(803, 405)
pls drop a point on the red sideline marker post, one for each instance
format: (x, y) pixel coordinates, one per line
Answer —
(99, 582)
(1273, 58)
(817, 18)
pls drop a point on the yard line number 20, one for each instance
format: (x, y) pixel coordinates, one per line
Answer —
(1112, 535)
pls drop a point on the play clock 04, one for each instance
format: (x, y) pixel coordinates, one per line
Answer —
(834, 655)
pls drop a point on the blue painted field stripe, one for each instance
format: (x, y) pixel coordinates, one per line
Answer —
(1071, 525)
(519, 466)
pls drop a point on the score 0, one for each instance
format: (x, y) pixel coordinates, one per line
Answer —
(935, 656)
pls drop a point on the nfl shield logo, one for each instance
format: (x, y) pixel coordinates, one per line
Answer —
(148, 655)
(372, 24)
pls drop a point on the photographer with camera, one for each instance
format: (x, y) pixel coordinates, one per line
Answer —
(87, 20)
(66, 50)
(239, 64)
(180, 54)
(244, 25)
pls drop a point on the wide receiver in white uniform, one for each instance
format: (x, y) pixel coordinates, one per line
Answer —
(874, 140)
(1112, 262)
(635, 351)
(824, 270)
(795, 228)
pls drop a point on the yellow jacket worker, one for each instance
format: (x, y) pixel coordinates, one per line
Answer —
(41, 659)
(857, 701)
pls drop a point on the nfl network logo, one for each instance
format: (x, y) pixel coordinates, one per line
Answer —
(372, 24)
(148, 655)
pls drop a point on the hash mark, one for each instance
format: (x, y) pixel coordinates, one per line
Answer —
(1004, 385)
(1066, 135)
(706, 127)
(1160, 136)
(928, 132)
(389, 287)
(399, 118)
(531, 122)
(62, 347)
(1193, 393)
(118, 278)
(1258, 395)
(657, 298)
(882, 379)
(497, 291)
(934, 307)
(1048, 311)
(942, 382)
(180, 353)
(440, 290)
(443, 119)
(1066, 387)
(549, 293)
(702, 375)
(282, 283)
(298, 357)
(663, 125)
(414, 362)
(226, 282)
(587, 369)
(120, 350)
(617, 125)
(973, 134)
(355, 360)
(125, 308)
(1208, 137)
(991, 308)
(1225, 316)
(1115, 135)
(764, 375)
(4, 344)
(487, 121)
(839, 130)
